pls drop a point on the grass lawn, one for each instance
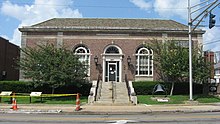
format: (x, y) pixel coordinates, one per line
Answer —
(47, 100)
(177, 99)
(207, 99)
(142, 99)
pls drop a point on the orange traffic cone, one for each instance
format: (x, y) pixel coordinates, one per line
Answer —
(77, 102)
(14, 104)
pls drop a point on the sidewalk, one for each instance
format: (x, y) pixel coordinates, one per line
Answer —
(94, 109)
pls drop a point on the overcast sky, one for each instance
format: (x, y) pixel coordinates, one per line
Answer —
(18, 13)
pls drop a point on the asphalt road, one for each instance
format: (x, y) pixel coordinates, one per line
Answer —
(154, 118)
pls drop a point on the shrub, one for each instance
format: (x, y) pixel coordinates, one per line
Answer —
(27, 87)
(183, 88)
(15, 86)
(146, 87)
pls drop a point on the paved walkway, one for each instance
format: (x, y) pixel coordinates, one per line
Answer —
(94, 109)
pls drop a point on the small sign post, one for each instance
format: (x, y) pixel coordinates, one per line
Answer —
(5, 93)
(36, 94)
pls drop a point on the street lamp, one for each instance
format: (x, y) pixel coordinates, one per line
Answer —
(129, 60)
(96, 60)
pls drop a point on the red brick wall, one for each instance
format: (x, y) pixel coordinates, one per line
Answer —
(97, 47)
(209, 57)
(33, 42)
(9, 53)
(97, 43)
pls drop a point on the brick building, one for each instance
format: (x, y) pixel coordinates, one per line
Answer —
(8, 54)
(112, 48)
(209, 57)
(217, 67)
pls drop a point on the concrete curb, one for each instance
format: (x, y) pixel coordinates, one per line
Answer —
(109, 110)
(31, 111)
(99, 113)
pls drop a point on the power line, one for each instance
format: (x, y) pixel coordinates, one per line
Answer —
(96, 6)
(212, 42)
(207, 25)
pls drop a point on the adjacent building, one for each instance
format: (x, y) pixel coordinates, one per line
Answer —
(217, 67)
(209, 57)
(114, 49)
(9, 53)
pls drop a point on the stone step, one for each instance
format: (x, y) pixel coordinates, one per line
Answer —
(121, 101)
(105, 100)
(112, 104)
(121, 97)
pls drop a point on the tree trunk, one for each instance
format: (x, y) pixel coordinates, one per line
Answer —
(171, 90)
(53, 90)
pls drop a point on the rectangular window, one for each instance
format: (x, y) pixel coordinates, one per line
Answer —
(183, 43)
(106, 71)
(217, 72)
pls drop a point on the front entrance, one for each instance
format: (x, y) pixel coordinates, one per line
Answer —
(112, 71)
(112, 64)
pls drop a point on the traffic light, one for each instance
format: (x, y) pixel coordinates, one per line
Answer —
(211, 20)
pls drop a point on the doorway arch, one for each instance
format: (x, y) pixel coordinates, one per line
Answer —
(112, 64)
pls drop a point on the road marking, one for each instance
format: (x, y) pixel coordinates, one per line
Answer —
(121, 121)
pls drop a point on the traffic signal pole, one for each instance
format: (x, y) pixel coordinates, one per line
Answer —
(202, 15)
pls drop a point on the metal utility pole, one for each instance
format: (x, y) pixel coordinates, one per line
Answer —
(206, 9)
(190, 52)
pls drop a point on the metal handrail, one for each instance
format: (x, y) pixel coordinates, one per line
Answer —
(113, 91)
(98, 88)
(127, 85)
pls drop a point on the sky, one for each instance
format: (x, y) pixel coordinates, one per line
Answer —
(17, 13)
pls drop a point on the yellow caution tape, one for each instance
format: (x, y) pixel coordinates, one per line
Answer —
(43, 95)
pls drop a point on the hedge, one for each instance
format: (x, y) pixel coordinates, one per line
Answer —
(27, 87)
(146, 87)
(15, 86)
(141, 88)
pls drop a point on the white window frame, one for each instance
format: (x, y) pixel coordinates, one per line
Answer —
(149, 64)
(86, 56)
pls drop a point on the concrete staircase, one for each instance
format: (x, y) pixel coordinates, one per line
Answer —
(106, 94)
(121, 95)
(113, 94)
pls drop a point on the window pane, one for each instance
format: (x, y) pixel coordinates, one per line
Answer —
(82, 52)
(144, 62)
(112, 49)
(143, 51)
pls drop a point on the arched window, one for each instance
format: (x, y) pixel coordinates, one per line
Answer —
(112, 50)
(144, 62)
(84, 55)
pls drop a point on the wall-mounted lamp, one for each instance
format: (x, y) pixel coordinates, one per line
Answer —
(129, 60)
(96, 59)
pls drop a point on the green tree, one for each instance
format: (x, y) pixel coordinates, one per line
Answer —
(47, 64)
(201, 70)
(172, 63)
